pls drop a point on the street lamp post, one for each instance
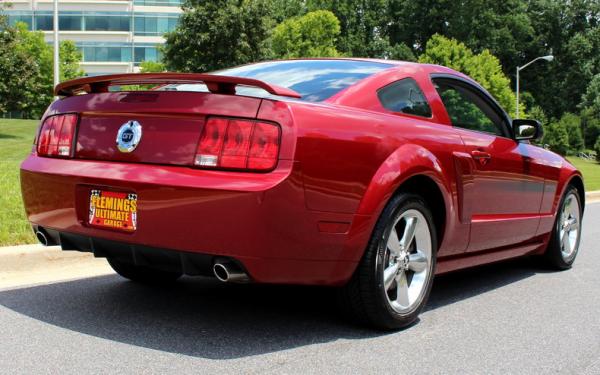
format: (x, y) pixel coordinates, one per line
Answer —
(56, 45)
(519, 68)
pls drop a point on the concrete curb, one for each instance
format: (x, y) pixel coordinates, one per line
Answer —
(28, 265)
(17, 258)
(592, 196)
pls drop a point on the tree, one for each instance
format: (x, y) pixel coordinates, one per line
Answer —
(590, 112)
(28, 61)
(484, 67)
(503, 27)
(537, 113)
(572, 123)
(284, 9)
(218, 34)
(70, 57)
(569, 30)
(591, 127)
(597, 148)
(152, 67)
(590, 100)
(311, 35)
(515, 31)
(20, 72)
(557, 138)
(398, 51)
(32, 43)
(363, 25)
(583, 64)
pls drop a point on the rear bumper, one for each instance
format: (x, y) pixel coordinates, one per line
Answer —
(261, 220)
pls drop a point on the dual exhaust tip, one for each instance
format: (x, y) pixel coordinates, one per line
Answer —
(229, 272)
(43, 237)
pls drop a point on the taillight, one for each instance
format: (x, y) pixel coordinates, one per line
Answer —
(57, 136)
(238, 144)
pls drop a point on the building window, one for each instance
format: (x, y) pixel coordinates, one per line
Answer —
(44, 23)
(26, 18)
(167, 3)
(107, 23)
(70, 22)
(148, 24)
(99, 52)
(146, 54)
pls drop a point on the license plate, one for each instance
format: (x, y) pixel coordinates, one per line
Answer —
(112, 209)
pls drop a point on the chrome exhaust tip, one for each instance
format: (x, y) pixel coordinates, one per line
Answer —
(229, 272)
(41, 236)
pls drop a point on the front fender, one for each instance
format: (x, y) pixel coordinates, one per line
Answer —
(568, 175)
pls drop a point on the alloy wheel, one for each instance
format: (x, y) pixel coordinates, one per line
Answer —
(407, 261)
(569, 226)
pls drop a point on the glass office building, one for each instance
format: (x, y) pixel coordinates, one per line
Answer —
(114, 36)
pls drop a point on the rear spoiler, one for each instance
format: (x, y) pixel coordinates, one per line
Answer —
(216, 84)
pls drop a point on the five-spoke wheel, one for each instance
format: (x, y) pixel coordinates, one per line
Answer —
(394, 278)
(564, 243)
(569, 225)
(406, 259)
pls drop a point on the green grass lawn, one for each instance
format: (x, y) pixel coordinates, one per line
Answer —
(590, 171)
(16, 137)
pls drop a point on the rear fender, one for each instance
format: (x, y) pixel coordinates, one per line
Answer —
(407, 161)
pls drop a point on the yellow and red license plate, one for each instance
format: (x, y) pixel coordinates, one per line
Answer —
(112, 209)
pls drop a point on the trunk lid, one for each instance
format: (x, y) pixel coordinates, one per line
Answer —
(171, 123)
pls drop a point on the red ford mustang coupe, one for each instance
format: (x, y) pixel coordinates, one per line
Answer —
(369, 175)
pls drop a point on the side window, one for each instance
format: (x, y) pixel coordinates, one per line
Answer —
(467, 109)
(404, 96)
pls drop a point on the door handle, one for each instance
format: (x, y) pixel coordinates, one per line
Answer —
(481, 156)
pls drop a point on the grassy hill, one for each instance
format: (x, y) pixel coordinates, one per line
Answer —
(16, 139)
(590, 171)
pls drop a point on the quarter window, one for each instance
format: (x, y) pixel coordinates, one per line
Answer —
(404, 96)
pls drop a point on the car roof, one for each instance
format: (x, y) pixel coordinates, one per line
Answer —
(429, 68)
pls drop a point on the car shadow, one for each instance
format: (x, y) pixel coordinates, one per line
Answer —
(203, 318)
(8, 136)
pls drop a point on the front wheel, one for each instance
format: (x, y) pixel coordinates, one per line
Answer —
(564, 242)
(393, 280)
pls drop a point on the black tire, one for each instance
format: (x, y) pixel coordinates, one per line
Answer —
(554, 256)
(365, 298)
(141, 274)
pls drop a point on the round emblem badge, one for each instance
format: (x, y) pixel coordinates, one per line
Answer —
(129, 136)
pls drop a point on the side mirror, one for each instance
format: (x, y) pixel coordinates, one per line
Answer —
(526, 130)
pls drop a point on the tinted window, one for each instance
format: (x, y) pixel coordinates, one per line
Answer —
(404, 96)
(467, 109)
(315, 80)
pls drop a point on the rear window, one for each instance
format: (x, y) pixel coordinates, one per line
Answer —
(315, 80)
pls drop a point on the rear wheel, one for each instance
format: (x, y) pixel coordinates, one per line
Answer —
(564, 243)
(142, 274)
(393, 280)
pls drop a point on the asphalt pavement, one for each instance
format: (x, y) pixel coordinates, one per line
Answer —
(509, 318)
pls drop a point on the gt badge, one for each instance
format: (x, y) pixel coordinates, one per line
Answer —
(129, 136)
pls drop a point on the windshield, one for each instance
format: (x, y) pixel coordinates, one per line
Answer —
(315, 80)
